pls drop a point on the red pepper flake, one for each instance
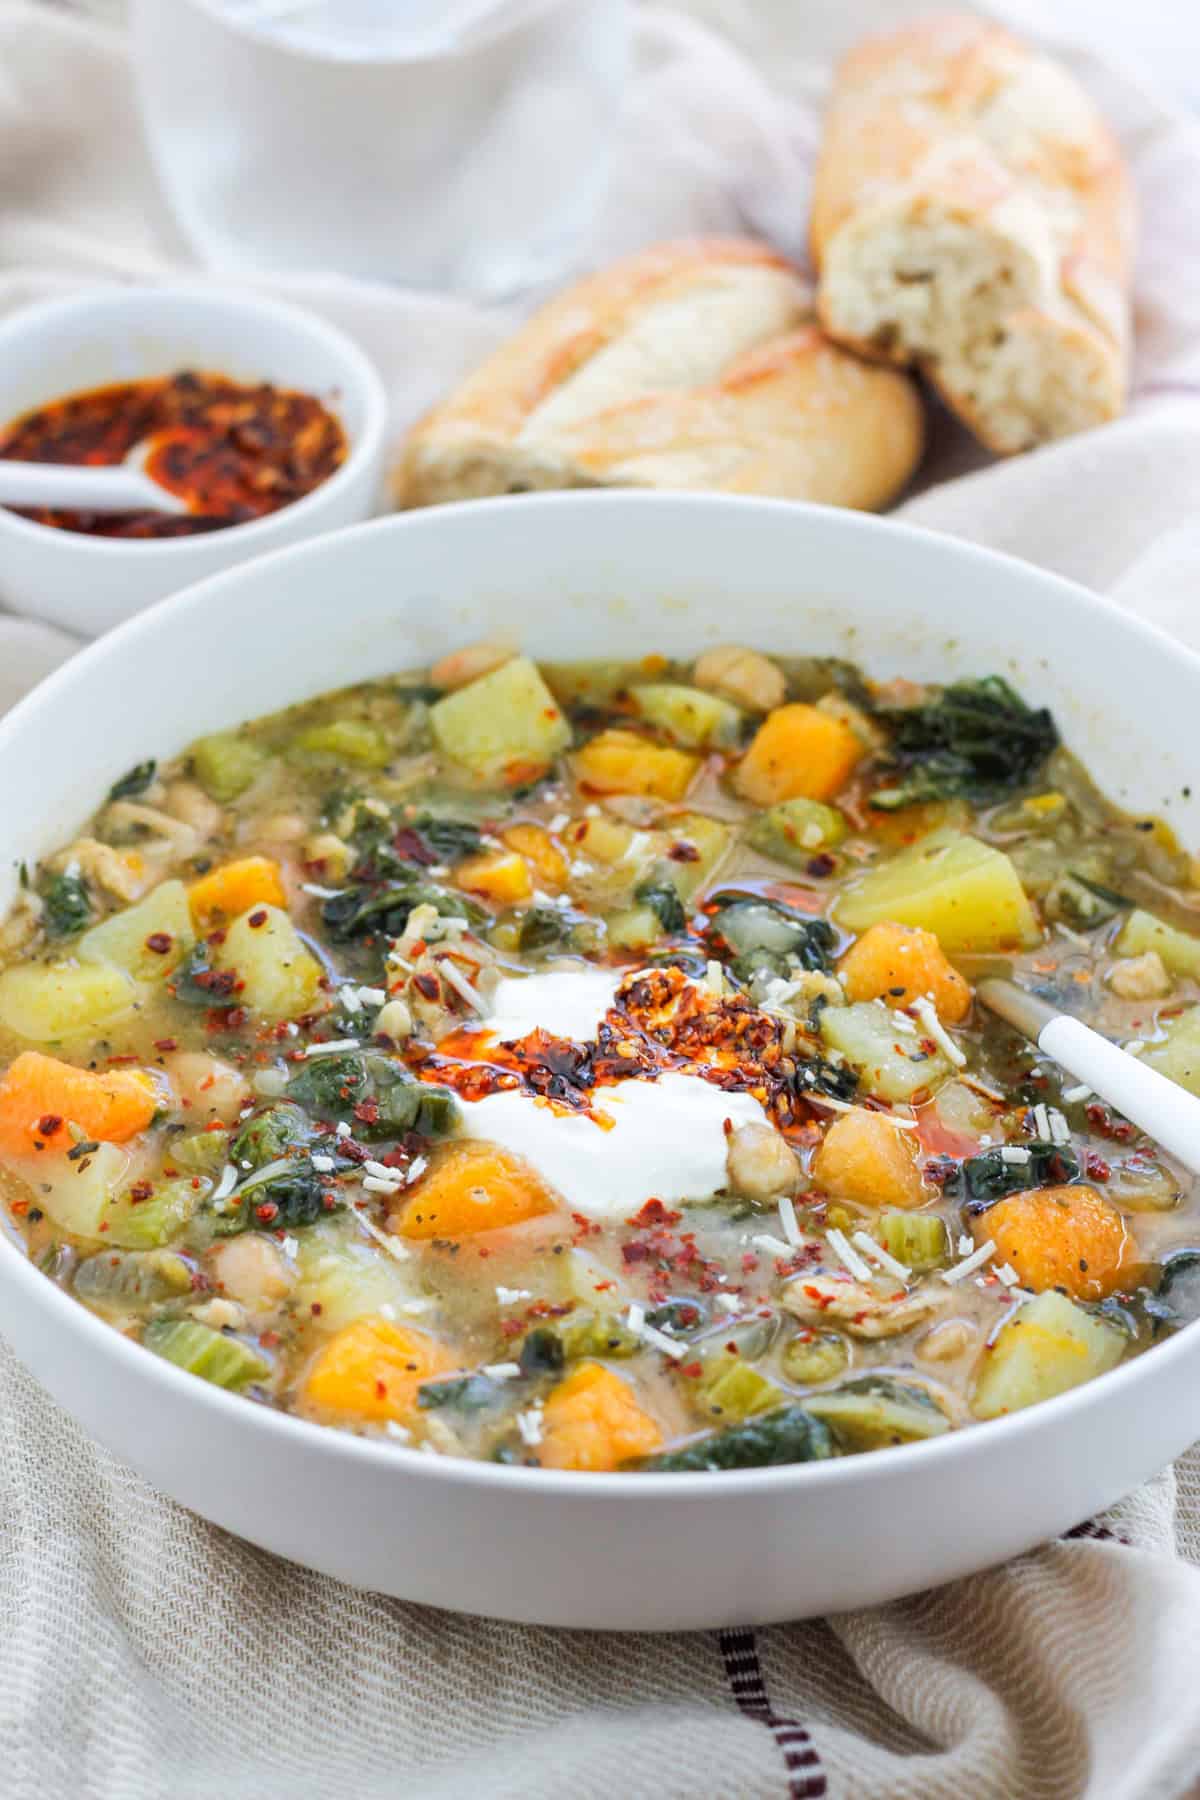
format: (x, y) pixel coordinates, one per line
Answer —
(141, 1190)
(512, 1328)
(316, 1309)
(266, 1212)
(426, 984)
(19, 1207)
(381, 1389)
(166, 1044)
(636, 1252)
(257, 919)
(159, 942)
(269, 1339)
(749, 1261)
(49, 1123)
(367, 1113)
(655, 1213)
(693, 1369)
(1095, 1167)
(683, 852)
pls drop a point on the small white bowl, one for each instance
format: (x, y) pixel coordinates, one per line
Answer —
(89, 584)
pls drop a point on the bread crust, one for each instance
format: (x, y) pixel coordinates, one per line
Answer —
(972, 214)
(690, 365)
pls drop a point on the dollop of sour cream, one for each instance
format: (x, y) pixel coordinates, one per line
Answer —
(663, 1139)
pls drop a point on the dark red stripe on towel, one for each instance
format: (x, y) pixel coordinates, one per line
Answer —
(805, 1776)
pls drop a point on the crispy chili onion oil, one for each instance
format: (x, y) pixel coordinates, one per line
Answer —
(233, 452)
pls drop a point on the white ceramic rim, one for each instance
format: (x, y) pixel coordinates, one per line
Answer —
(20, 330)
(945, 1452)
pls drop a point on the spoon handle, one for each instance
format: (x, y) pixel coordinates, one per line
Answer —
(1164, 1110)
(60, 485)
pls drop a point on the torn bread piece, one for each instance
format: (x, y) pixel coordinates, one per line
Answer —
(972, 215)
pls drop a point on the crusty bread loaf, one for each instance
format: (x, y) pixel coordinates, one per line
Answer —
(972, 214)
(691, 365)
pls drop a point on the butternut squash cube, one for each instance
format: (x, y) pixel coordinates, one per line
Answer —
(234, 888)
(473, 1187)
(798, 752)
(621, 762)
(547, 861)
(1063, 1237)
(500, 876)
(593, 1420)
(866, 1159)
(899, 964)
(371, 1370)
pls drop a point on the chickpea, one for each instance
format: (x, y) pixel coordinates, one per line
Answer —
(282, 828)
(187, 800)
(746, 677)
(463, 666)
(946, 1342)
(252, 1269)
(760, 1164)
(331, 852)
(1140, 977)
(211, 1090)
(220, 1314)
(394, 1020)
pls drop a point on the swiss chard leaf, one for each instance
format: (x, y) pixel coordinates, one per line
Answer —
(987, 1177)
(664, 903)
(379, 1094)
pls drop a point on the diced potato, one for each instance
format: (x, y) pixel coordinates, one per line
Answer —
(899, 964)
(371, 1370)
(910, 824)
(77, 1195)
(226, 764)
(1178, 1057)
(964, 891)
(795, 830)
(546, 860)
(634, 928)
(280, 978)
(1063, 1237)
(593, 1420)
(865, 1159)
(621, 762)
(709, 838)
(505, 726)
(474, 1187)
(893, 1065)
(234, 888)
(688, 716)
(344, 741)
(798, 751)
(1050, 1346)
(1179, 951)
(49, 1002)
(40, 1096)
(342, 1277)
(148, 940)
(501, 876)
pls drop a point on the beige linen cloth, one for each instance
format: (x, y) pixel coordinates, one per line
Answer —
(144, 1653)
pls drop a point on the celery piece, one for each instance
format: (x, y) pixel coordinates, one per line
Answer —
(216, 1356)
(226, 764)
(795, 830)
(688, 716)
(919, 1240)
(117, 1280)
(811, 1357)
(203, 1153)
(134, 1224)
(877, 1410)
(344, 740)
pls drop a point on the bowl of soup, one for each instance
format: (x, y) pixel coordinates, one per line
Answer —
(493, 1102)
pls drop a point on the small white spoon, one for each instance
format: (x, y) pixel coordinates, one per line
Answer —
(1162, 1109)
(124, 487)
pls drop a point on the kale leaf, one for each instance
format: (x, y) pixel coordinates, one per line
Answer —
(988, 1177)
(382, 908)
(67, 906)
(663, 902)
(466, 1393)
(379, 1094)
(135, 782)
(786, 1435)
(976, 738)
(285, 1199)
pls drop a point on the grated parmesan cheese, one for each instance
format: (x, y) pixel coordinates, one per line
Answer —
(1015, 1154)
(1072, 1094)
(772, 1245)
(961, 1270)
(324, 1165)
(502, 1371)
(510, 1296)
(333, 1047)
(839, 1243)
(926, 1011)
(877, 1254)
(787, 1218)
